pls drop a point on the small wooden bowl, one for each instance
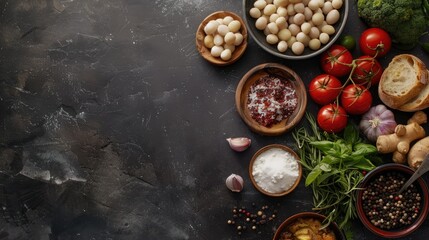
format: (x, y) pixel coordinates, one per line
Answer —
(205, 52)
(242, 92)
(339, 235)
(264, 149)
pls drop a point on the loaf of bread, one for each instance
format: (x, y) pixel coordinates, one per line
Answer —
(404, 84)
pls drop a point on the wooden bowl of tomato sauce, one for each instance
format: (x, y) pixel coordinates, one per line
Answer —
(266, 90)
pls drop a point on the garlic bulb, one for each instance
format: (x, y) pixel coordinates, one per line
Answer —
(234, 183)
(377, 121)
(239, 144)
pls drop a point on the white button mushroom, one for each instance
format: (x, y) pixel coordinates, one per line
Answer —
(216, 51)
(218, 40)
(318, 18)
(211, 27)
(337, 4)
(238, 39)
(234, 26)
(229, 38)
(208, 41)
(333, 16)
(227, 20)
(324, 38)
(284, 34)
(298, 48)
(314, 44)
(260, 4)
(269, 9)
(222, 29)
(255, 12)
(274, 29)
(272, 39)
(282, 46)
(261, 23)
(226, 54)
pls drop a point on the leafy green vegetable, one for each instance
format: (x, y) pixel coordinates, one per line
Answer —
(333, 168)
(404, 20)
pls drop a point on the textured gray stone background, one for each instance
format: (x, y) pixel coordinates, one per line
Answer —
(113, 126)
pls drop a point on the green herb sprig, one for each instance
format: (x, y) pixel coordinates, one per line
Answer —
(334, 166)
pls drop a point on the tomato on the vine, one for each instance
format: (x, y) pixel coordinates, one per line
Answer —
(337, 61)
(375, 40)
(332, 118)
(368, 70)
(324, 89)
(356, 99)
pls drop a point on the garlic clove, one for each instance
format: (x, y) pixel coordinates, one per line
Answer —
(239, 144)
(234, 183)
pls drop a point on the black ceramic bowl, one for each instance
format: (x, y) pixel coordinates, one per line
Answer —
(421, 188)
(260, 37)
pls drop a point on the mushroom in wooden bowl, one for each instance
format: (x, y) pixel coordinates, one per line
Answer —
(271, 99)
(221, 38)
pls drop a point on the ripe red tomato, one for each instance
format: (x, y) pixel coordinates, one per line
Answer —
(337, 61)
(324, 89)
(332, 118)
(368, 70)
(373, 40)
(356, 99)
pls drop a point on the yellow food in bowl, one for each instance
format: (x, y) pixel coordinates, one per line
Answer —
(307, 229)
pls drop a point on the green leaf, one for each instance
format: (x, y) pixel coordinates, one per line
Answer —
(313, 175)
(324, 146)
(351, 134)
(330, 160)
(363, 149)
(362, 164)
(325, 167)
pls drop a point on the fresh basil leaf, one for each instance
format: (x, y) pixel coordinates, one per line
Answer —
(313, 175)
(322, 177)
(364, 149)
(323, 146)
(351, 134)
(325, 167)
(330, 159)
(362, 164)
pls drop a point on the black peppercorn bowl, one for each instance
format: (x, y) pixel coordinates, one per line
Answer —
(339, 235)
(377, 198)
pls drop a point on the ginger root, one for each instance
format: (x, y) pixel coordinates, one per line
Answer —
(399, 142)
(418, 117)
(418, 152)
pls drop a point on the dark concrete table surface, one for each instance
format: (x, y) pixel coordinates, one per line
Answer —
(114, 127)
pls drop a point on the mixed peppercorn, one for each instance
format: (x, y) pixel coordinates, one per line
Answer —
(385, 208)
(244, 219)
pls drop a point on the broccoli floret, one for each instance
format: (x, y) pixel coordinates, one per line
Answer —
(404, 20)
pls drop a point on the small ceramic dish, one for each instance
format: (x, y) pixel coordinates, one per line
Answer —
(339, 235)
(205, 52)
(270, 155)
(394, 232)
(242, 97)
(260, 37)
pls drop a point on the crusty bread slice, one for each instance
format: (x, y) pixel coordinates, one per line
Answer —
(418, 103)
(402, 80)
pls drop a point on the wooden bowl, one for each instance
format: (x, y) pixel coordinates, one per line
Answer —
(339, 235)
(420, 183)
(243, 89)
(270, 147)
(205, 52)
